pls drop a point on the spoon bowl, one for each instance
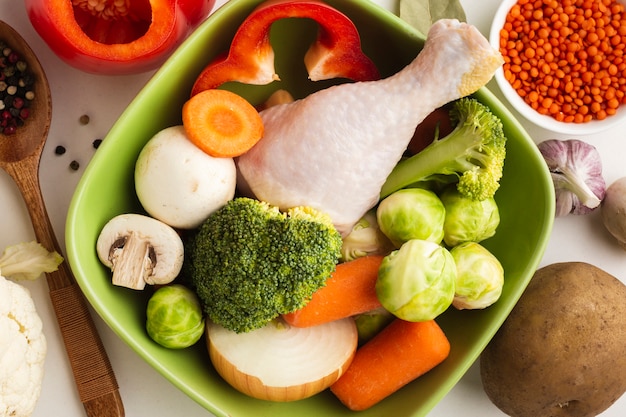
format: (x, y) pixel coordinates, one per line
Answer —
(20, 155)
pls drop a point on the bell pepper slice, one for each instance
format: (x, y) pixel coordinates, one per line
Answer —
(115, 37)
(336, 52)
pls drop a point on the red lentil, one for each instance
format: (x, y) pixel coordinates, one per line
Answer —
(565, 57)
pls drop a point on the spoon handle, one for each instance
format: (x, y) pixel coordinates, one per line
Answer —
(93, 374)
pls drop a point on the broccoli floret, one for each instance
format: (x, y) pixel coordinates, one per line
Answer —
(249, 262)
(472, 155)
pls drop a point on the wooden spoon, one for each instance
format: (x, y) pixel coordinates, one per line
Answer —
(20, 155)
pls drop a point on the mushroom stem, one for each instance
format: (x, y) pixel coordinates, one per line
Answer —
(132, 264)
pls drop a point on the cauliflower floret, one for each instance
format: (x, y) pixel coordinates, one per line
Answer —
(22, 351)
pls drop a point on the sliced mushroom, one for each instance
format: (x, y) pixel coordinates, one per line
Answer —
(140, 250)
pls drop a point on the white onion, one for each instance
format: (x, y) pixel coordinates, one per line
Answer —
(280, 362)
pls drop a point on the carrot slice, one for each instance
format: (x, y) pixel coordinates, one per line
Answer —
(222, 123)
(350, 290)
(399, 354)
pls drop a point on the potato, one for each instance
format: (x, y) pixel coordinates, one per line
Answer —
(562, 350)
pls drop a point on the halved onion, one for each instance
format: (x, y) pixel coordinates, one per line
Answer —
(283, 363)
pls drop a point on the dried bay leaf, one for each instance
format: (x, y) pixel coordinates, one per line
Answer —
(421, 14)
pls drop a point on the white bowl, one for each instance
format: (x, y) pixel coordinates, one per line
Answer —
(544, 121)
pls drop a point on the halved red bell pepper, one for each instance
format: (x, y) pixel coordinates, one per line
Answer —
(115, 36)
(336, 53)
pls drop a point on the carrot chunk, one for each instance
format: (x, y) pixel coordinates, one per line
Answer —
(350, 290)
(222, 123)
(399, 354)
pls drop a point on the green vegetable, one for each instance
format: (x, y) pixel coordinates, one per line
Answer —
(468, 220)
(365, 238)
(416, 282)
(249, 262)
(421, 14)
(27, 261)
(174, 317)
(471, 155)
(479, 277)
(412, 213)
(370, 323)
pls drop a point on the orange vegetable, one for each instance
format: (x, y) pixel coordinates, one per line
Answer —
(221, 123)
(399, 354)
(350, 290)
(564, 58)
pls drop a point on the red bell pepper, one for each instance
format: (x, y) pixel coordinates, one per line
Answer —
(335, 53)
(115, 36)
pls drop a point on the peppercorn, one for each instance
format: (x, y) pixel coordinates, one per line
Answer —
(9, 71)
(74, 165)
(18, 103)
(59, 150)
(21, 66)
(96, 143)
(9, 130)
(16, 92)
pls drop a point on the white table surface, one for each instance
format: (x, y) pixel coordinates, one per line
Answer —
(144, 391)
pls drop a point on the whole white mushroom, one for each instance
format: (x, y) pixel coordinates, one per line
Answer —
(179, 184)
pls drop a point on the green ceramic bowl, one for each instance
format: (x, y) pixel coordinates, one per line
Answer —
(526, 201)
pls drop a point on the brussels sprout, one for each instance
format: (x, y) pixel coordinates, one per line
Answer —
(468, 220)
(479, 276)
(174, 317)
(365, 238)
(369, 324)
(416, 282)
(411, 213)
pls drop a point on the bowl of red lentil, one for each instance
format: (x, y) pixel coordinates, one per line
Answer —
(564, 65)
